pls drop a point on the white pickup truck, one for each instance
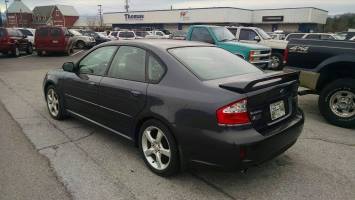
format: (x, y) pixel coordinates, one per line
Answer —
(157, 35)
(259, 36)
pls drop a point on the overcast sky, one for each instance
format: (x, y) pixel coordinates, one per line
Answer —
(89, 7)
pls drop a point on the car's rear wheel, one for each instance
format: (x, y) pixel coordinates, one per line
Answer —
(54, 103)
(337, 103)
(39, 53)
(80, 44)
(29, 49)
(276, 61)
(158, 148)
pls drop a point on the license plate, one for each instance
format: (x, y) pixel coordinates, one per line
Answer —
(277, 110)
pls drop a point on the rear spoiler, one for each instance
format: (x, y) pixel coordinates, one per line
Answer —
(244, 86)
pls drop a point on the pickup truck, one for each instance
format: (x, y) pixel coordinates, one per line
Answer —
(256, 35)
(221, 37)
(328, 69)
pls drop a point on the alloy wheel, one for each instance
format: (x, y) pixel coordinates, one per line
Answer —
(53, 102)
(342, 103)
(156, 148)
(275, 62)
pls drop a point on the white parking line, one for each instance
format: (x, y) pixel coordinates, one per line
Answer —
(77, 53)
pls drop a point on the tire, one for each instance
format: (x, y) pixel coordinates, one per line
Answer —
(39, 52)
(276, 61)
(168, 166)
(55, 103)
(69, 51)
(16, 52)
(339, 113)
(80, 44)
(29, 49)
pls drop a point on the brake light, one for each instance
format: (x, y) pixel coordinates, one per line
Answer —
(285, 55)
(235, 113)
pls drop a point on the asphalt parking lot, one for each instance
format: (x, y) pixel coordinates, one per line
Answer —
(94, 164)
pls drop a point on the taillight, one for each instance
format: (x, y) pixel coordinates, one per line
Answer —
(285, 55)
(251, 56)
(235, 113)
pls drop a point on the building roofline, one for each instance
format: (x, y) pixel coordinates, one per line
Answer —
(213, 8)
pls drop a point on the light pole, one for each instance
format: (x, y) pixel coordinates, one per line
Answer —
(7, 18)
(100, 15)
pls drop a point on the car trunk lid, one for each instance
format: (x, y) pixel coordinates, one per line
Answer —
(272, 97)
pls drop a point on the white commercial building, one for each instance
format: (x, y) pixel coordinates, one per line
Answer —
(287, 19)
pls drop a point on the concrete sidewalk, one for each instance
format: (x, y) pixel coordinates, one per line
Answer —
(24, 173)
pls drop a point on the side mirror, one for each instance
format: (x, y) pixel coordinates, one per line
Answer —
(69, 67)
(257, 38)
(24, 36)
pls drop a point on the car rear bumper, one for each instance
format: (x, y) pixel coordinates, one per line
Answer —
(240, 149)
(7, 47)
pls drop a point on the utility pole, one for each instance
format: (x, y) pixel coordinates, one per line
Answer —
(126, 7)
(100, 15)
(7, 18)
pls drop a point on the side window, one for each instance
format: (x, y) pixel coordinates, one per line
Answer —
(128, 64)
(114, 34)
(43, 32)
(96, 63)
(202, 35)
(159, 33)
(326, 37)
(233, 31)
(294, 36)
(313, 36)
(2, 33)
(155, 69)
(246, 34)
(56, 32)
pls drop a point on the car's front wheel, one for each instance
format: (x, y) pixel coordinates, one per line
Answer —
(337, 103)
(158, 148)
(54, 103)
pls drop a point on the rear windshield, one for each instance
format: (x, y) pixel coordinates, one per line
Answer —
(26, 32)
(295, 36)
(126, 34)
(209, 63)
(14, 33)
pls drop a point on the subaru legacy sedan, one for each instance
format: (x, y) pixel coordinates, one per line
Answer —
(182, 103)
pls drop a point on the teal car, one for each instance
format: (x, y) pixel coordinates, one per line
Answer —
(221, 37)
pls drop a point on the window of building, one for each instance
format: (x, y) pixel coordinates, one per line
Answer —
(57, 13)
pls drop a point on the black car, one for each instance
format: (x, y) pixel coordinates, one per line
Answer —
(328, 69)
(180, 102)
(99, 38)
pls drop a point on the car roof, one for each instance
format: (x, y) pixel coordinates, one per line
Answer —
(162, 44)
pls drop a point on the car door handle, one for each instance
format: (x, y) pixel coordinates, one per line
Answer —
(135, 93)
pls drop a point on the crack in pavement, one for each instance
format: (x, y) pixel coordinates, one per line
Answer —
(329, 141)
(213, 186)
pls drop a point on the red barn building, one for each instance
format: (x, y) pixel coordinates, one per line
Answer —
(19, 15)
(55, 15)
